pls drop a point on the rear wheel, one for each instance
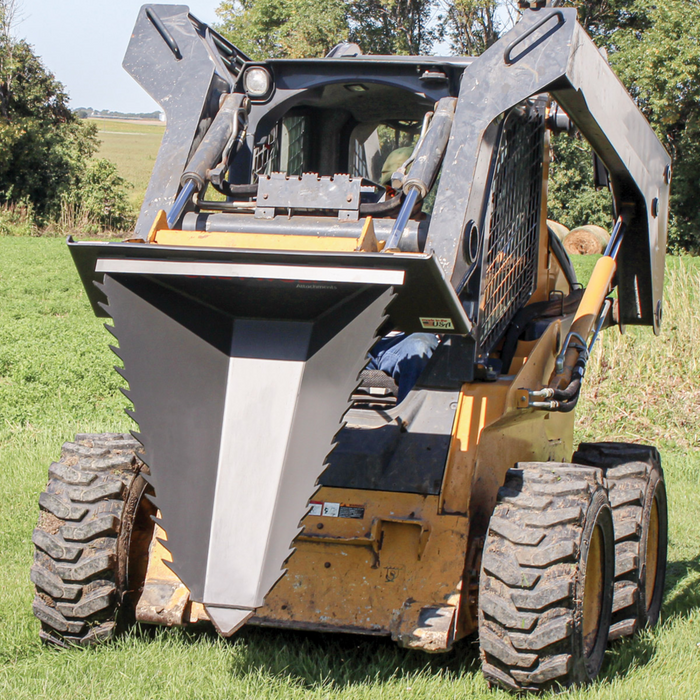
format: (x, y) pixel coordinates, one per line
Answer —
(84, 537)
(638, 499)
(545, 593)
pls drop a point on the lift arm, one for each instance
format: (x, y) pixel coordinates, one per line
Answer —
(548, 51)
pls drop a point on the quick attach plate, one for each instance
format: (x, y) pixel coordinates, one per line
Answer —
(309, 191)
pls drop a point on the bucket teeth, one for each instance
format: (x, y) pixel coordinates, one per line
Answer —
(228, 620)
(237, 418)
(173, 567)
(115, 349)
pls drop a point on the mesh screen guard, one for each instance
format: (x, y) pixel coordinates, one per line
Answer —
(509, 269)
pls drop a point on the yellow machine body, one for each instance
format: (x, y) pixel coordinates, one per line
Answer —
(409, 566)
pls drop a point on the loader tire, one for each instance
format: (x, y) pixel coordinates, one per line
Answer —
(638, 498)
(546, 584)
(83, 537)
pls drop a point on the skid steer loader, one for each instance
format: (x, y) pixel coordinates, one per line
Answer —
(274, 481)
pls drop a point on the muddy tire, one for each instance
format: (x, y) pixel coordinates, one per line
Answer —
(638, 498)
(83, 537)
(546, 583)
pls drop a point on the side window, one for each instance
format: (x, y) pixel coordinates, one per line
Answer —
(365, 152)
(372, 144)
(266, 155)
(294, 141)
(399, 134)
(285, 149)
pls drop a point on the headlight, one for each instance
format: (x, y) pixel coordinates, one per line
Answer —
(257, 81)
(356, 87)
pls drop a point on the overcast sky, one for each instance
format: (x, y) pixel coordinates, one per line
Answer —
(83, 43)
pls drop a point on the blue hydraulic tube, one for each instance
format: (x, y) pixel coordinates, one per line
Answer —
(401, 220)
(179, 204)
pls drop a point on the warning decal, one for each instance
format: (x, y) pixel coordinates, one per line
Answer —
(336, 510)
(351, 512)
(437, 324)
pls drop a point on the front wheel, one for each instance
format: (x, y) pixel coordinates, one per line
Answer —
(546, 585)
(84, 536)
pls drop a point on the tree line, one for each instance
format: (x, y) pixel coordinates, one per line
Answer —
(47, 162)
(310, 28)
(48, 173)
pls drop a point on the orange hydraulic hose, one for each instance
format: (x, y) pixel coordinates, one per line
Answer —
(594, 296)
(587, 313)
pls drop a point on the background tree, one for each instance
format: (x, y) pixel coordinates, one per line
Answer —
(655, 50)
(310, 28)
(573, 200)
(45, 150)
(472, 25)
(659, 61)
(284, 28)
(404, 27)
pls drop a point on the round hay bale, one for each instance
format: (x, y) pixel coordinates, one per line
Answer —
(561, 231)
(586, 240)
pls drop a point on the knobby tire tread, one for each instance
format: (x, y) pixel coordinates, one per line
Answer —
(529, 577)
(631, 471)
(82, 514)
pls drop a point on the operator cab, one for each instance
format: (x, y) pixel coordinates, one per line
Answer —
(317, 116)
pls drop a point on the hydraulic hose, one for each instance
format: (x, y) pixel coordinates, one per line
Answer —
(389, 206)
(222, 131)
(429, 156)
(562, 258)
(425, 166)
(589, 318)
(217, 140)
(226, 188)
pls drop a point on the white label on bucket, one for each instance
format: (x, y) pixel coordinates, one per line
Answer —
(331, 510)
(437, 324)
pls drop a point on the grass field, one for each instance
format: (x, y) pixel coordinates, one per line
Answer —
(132, 147)
(56, 379)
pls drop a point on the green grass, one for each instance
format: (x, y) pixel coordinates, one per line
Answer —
(640, 387)
(132, 147)
(56, 379)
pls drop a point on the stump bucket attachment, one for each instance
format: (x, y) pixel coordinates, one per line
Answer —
(240, 368)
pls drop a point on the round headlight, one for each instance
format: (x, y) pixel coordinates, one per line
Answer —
(257, 81)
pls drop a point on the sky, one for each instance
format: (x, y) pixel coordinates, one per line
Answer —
(82, 42)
